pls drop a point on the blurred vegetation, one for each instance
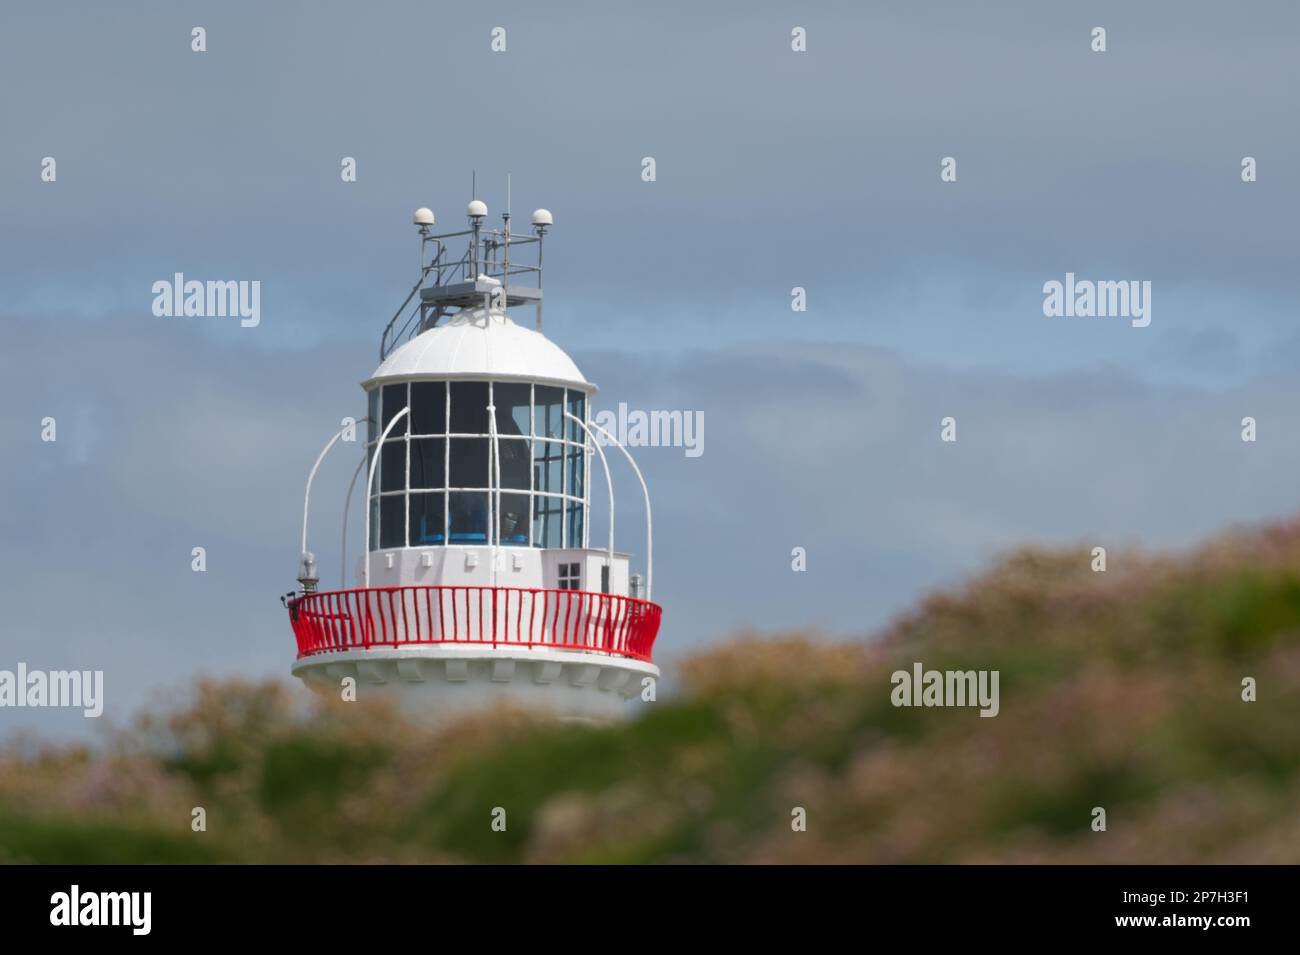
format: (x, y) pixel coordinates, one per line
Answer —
(1119, 689)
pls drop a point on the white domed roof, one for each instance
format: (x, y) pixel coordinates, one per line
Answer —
(477, 343)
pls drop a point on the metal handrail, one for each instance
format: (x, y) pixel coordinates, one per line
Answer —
(383, 340)
(573, 620)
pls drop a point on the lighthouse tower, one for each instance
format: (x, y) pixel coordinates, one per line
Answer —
(477, 580)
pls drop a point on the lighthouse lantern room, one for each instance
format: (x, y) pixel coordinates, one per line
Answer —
(478, 581)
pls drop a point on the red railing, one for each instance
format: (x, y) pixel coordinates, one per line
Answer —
(328, 621)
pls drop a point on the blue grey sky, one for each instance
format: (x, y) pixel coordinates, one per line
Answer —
(775, 169)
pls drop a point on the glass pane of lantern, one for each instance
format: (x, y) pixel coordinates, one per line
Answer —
(548, 416)
(577, 402)
(395, 401)
(546, 521)
(547, 457)
(428, 407)
(512, 403)
(428, 463)
(513, 454)
(392, 465)
(467, 515)
(574, 456)
(426, 524)
(469, 462)
(574, 519)
(392, 520)
(469, 401)
(514, 520)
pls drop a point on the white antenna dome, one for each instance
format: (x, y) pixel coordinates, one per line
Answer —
(423, 216)
(543, 217)
(477, 209)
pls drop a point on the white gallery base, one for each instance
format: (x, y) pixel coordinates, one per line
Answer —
(440, 681)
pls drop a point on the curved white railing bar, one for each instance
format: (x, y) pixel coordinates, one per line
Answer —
(609, 560)
(494, 490)
(494, 501)
(370, 483)
(649, 522)
(343, 546)
(306, 498)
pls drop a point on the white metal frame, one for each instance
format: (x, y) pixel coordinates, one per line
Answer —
(347, 507)
(609, 484)
(567, 449)
(370, 481)
(649, 521)
(306, 497)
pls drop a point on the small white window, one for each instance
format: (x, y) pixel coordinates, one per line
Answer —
(568, 577)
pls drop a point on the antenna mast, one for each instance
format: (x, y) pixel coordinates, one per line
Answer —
(448, 284)
(505, 271)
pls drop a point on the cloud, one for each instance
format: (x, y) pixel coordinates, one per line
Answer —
(776, 169)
